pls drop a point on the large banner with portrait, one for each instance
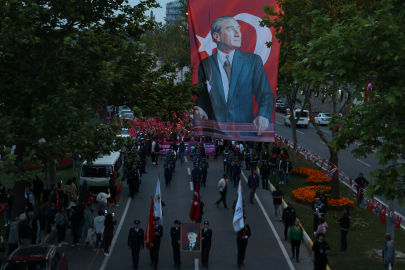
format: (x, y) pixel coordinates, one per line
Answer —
(235, 68)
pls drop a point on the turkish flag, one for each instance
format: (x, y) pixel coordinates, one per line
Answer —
(150, 227)
(2, 207)
(359, 190)
(370, 205)
(90, 199)
(369, 87)
(119, 188)
(195, 205)
(383, 213)
(323, 161)
(281, 142)
(132, 132)
(329, 168)
(398, 222)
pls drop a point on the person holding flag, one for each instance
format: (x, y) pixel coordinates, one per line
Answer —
(362, 183)
(157, 204)
(195, 210)
(154, 249)
(242, 229)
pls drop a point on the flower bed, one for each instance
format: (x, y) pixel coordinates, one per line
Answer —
(306, 195)
(313, 177)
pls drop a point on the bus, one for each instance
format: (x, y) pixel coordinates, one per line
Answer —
(98, 174)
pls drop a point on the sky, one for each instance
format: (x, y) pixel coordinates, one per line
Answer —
(160, 13)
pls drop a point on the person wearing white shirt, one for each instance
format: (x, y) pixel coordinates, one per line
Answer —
(223, 188)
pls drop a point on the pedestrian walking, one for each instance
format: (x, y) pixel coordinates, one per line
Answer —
(206, 235)
(362, 183)
(225, 157)
(241, 242)
(287, 169)
(154, 250)
(74, 191)
(223, 189)
(236, 171)
(38, 187)
(61, 220)
(319, 211)
(320, 250)
(344, 226)
(135, 242)
(389, 252)
(24, 230)
(99, 227)
(265, 173)
(175, 235)
(196, 175)
(253, 161)
(295, 237)
(253, 184)
(289, 215)
(273, 168)
(280, 168)
(77, 218)
(108, 234)
(278, 203)
(204, 168)
(322, 227)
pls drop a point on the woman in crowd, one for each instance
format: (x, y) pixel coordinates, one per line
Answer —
(295, 237)
(320, 249)
(61, 220)
(322, 227)
(99, 226)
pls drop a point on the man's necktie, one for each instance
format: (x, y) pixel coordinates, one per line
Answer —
(191, 247)
(228, 68)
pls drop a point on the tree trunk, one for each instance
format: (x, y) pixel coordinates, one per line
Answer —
(333, 154)
(52, 171)
(295, 140)
(19, 186)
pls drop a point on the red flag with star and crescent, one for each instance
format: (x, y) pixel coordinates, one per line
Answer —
(90, 199)
(195, 205)
(398, 222)
(383, 213)
(249, 57)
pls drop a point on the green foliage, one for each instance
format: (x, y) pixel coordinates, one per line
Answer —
(60, 61)
(355, 222)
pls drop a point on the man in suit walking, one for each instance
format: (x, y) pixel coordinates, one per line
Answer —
(206, 235)
(242, 241)
(253, 183)
(135, 242)
(192, 233)
(231, 79)
(175, 234)
(154, 251)
(196, 175)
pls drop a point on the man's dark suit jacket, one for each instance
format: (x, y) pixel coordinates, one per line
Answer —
(248, 79)
(187, 247)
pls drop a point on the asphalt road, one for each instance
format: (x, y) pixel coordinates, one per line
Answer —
(310, 140)
(266, 248)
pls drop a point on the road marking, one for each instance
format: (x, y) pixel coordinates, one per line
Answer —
(300, 132)
(186, 159)
(196, 264)
(117, 233)
(278, 122)
(363, 162)
(191, 185)
(323, 142)
(188, 169)
(287, 257)
(95, 256)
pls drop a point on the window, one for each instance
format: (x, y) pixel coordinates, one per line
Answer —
(340, 95)
(317, 93)
(95, 171)
(55, 261)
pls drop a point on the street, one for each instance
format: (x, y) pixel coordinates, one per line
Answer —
(310, 140)
(266, 245)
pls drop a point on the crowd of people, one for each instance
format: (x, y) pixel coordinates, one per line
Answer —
(65, 207)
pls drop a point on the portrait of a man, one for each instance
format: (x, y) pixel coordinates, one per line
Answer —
(231, 80)
(190, 237)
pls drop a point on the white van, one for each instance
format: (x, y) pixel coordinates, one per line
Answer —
(98, 174)
(303, 121)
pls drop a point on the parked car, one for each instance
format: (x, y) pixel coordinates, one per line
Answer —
(323, 118)
(278, 105)
(303, 121)
(283, 108)
(41, 257)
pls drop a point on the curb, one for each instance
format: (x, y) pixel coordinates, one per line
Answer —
(307, 239)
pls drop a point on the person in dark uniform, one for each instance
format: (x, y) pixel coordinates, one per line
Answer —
(135, 242)
(175, 234)
(248, 154)
(242, 241)
(225, 156)
(196, 175)
(253, 161)
(198, 220)
(204, 167)
(167, 167)
(265, 172)
(154, 251)
(206, 235)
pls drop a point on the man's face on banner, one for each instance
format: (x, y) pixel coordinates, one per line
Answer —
(230, 36)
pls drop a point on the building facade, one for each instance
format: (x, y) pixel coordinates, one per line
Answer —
(173, 11)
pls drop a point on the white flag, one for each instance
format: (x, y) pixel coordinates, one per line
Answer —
(238, 220)
(157, 202)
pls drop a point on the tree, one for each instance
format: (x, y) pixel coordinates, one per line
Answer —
(170, 41)
(367, 45)
(59, 61)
